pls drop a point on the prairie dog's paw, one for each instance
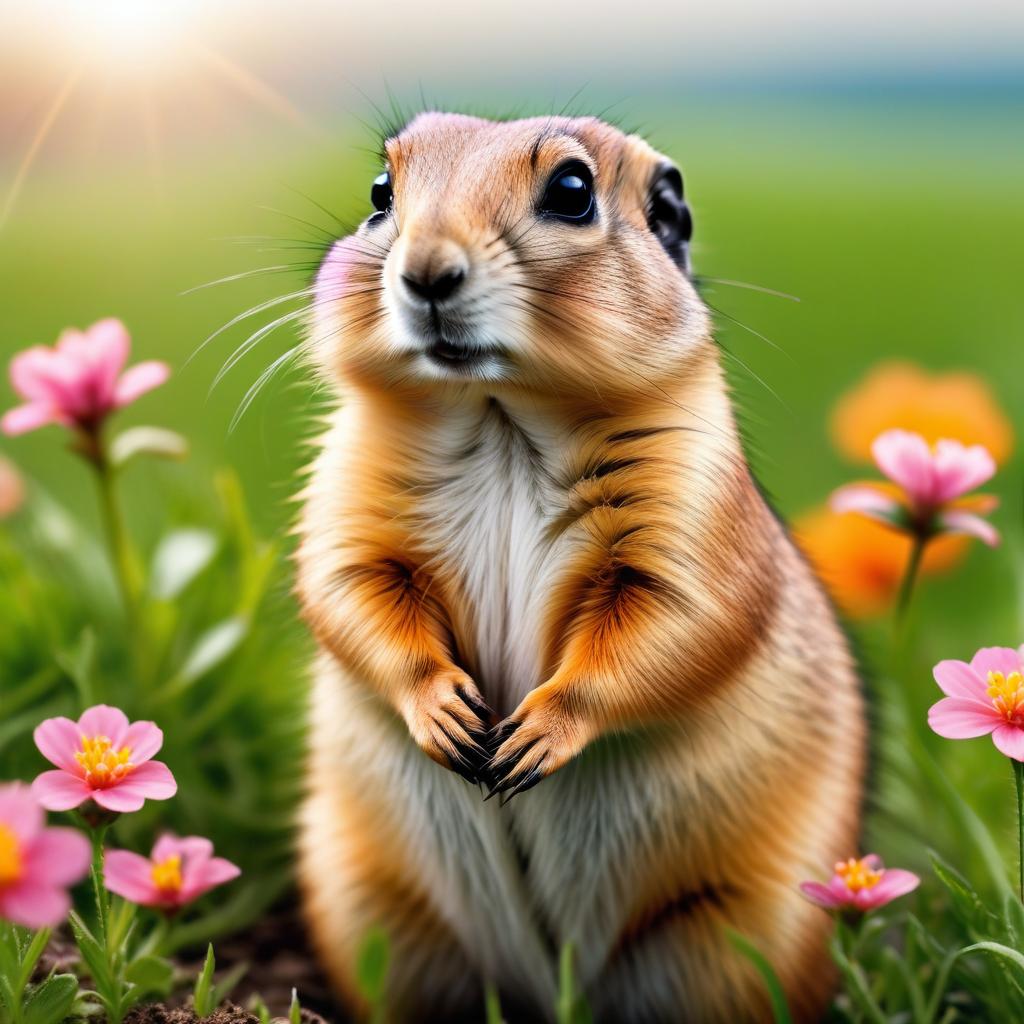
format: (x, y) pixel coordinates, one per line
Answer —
(449, 720)
(536, 739)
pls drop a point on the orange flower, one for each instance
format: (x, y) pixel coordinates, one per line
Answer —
(958, 406)
(862, 561)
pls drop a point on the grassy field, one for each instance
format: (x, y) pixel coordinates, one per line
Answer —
(899, 225)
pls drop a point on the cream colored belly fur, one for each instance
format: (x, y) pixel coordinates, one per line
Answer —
(636, 821)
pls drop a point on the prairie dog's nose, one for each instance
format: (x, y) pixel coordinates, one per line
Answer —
(436, 272)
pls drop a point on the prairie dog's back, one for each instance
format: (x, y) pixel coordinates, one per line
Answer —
(533, 556)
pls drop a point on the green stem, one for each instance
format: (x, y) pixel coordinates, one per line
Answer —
(97, 836)
(117, 534)
(1018, 776)
(910, 577)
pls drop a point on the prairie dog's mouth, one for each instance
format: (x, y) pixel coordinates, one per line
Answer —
(449, 354)
(454, 353)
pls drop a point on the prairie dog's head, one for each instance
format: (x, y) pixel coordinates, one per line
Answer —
(548, 255)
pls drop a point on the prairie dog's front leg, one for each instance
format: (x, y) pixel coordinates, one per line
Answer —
(373, 609)
(637, 639)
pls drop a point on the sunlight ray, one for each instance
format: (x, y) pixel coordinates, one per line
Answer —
(42, 133)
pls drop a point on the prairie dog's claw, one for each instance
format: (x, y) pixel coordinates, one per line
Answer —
(449, 719)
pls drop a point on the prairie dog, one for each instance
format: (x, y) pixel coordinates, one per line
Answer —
(533, 556)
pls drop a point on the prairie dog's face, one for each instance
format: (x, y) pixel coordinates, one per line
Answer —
(547, 255)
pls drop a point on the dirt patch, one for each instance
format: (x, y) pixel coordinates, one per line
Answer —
(160, 1013)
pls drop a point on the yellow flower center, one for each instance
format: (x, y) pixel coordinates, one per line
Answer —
(101, 765)
(858, 874)
(10, 856)
(166, 874)
(1007, 693)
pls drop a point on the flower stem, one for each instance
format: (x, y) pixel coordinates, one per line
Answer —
(97, 835)
(117, 535)
(1018, 776)
(910, 577)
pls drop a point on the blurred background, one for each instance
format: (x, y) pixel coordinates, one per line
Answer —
(862, 164)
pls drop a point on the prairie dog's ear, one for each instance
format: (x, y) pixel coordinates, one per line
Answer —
(668, 215)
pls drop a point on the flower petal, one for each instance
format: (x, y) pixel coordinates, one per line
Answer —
(1009, 740)
(821, 894)
(866, 499)
(958, 679)
(906, 459)
(59, 856)
(958, 469)
(58, 739)
(151, 780)
(23, 418)
(894, 883)
(955, 521)
(109, 344)
(131, 876)
(104, 720)
(959, 719)
(996, 659)
(205, 874)
(138, 380)
(191, 847)
(144, 739)
(119, 798)
(20, 811)
(60, 791)
(33, 905)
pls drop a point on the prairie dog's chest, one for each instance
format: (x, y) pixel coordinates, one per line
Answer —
(486, 523)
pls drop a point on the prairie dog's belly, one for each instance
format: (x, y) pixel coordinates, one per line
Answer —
(484, 524)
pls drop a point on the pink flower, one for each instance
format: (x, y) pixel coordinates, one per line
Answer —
(78, 382)
(37, 864)
(177, 872)
(983, 698)
(860, 885)
(102, 758)
(930, 484)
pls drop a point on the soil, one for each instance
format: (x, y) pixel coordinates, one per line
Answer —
(280, 959)
(160, 1013)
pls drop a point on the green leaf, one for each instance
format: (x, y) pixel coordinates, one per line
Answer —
(212, 647)
(997, 949)
(967, 821)
(295, 1010)
(153, 975)
(967, 904)
(164, 444)
(80, 664)
(372, 965)
(51, 1001)
(203, 993)
(776, 994)
(179, 558)
(492, 1005)
(92, 953)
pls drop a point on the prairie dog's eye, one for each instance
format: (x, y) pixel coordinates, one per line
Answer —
(570, 194)
(380, 194)
(668, 216)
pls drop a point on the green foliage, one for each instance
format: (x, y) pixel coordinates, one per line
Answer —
(372, 961)
(215, 658)
(202, 994)
(571, 1007)
(780, 1009)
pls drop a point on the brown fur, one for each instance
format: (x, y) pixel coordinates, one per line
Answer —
(684, 660)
